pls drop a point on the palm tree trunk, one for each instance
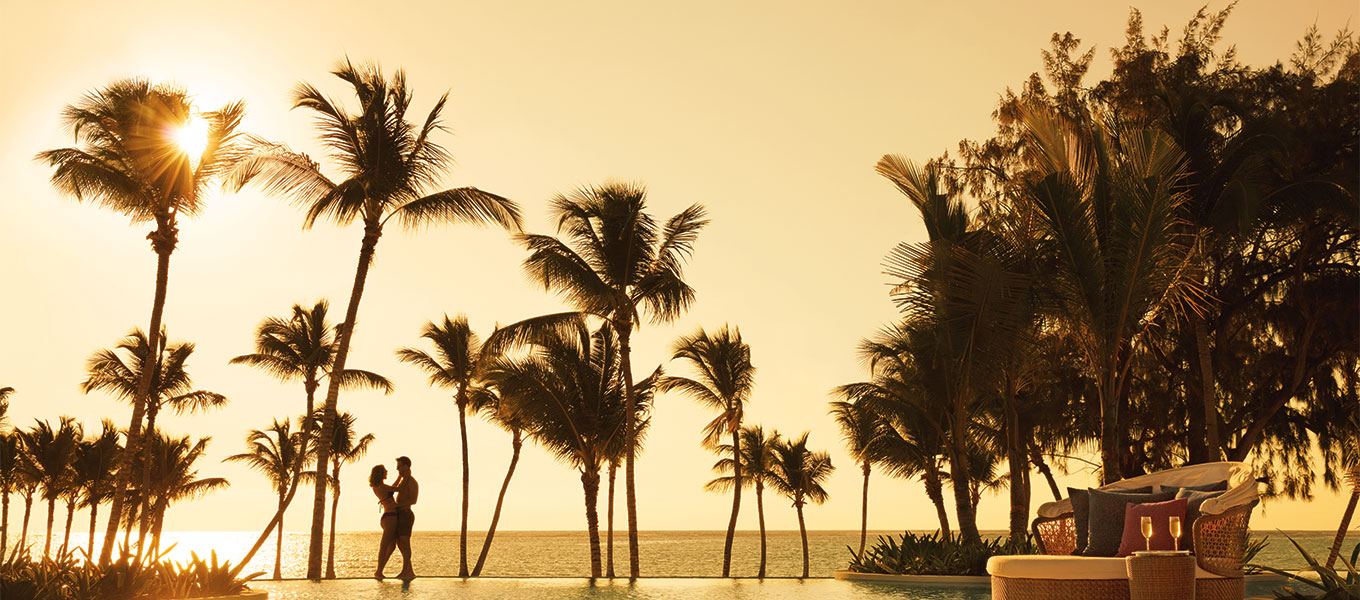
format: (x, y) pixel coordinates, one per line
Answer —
(144, 518)
(94, 519)
(1208, 401)
(335, 508)
(736, 499)
(23, 532)
(516, 441)
(1345, 520)
(609, 537)
(1037, 459)
(802, 530)
(47, 540)
(590, 482)
(935, 491)
(277, 521)
(163, 241)
(66, 536)
(278, 545)
(864, 511)
(1110, 470)
(760, 514)
(958, 470)
(158, 525)
(1018, 465)
(629, 441)
(462, 436)
(4, 522)
(372, 231)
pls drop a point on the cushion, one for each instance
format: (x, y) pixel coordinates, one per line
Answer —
(1066, 567)
(1208, 487)
(1192, 501)
(1081, 512)
(1106, 518)
(1161, 513)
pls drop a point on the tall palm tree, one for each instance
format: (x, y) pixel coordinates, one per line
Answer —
(276, 453)
(455, 364)
(388, 163)
(616, 262)
(301, 347)
(26, 484)
(861, 431)
(566, 385)
(724, 383)
(347, 446)
(175, 478)
(1110, 200)
(756, 459)
(170, 387)
(508, 418)
(128, 160)
(51, 452)
(95, 462)
(798, 474)
(9, 477)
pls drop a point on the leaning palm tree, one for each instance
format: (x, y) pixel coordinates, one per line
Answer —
(389, 164)
(1110, 200)
(455, 364)
(97, 458)
(861, 431)
(798, 474)
(26, 484)
(347, 446)
(616, 262)
(175, 478)
(566, 385)
(724, 383)
(128, 160)
(756, 461)
(506, 417)
(276, 453)
(170, 387)
(51, 452)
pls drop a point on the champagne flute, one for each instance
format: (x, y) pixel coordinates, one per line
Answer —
(1146, 524)
(1175, 525)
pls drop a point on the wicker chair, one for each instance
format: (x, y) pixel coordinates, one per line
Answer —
(1220, 536)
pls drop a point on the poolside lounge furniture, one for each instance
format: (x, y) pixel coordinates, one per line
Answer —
(1220, 538)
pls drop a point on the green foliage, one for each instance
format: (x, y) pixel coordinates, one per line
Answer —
(66, 578)
(1328, 583)
(931, 554)
(1254, 547)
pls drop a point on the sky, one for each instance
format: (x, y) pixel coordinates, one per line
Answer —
(771, 114)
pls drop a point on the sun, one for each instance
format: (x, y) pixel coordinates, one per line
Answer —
(192, 137)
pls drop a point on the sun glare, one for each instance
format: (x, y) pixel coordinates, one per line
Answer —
(192, 137)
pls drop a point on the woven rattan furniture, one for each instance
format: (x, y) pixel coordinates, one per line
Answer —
(1161, 577)
(1220, 535)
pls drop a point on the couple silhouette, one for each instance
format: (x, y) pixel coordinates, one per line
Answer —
(397, 519)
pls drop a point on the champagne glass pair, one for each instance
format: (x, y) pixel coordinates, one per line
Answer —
(1175, 525)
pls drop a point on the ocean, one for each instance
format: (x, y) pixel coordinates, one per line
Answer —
(567, 554)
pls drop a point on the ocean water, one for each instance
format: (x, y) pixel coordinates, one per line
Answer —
(538, 554)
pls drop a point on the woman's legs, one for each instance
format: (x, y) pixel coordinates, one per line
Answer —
(387, 545)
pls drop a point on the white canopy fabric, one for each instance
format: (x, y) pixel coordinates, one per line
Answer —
(1241, 486)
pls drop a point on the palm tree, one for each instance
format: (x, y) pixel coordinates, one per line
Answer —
(129, 161)
(94, 466)
(301, 347)
(618, 260)
(5, 393)
(174, 478)
(756, 461)
(26, 484)
(565, 384)
(1110, 201)
(506, 417)
(10, 473)
(170, 387)
(51, 452)
(347, 446)
(456, 364)
(388, 163)
(861, 431)
(724, 382)
(275, 452)
(798, 473)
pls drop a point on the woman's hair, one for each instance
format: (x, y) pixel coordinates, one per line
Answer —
(377, 475)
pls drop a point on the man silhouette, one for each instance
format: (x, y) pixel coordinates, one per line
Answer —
(408, 491)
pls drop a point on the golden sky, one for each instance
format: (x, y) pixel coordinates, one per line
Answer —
(772, 114)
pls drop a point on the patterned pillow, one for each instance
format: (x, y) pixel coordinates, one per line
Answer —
(1081, 513)
(1160, 513)
(1193, 500)
(1106, 519)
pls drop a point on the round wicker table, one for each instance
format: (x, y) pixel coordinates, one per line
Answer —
(1161, 576)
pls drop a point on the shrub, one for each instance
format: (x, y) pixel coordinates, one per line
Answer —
(66, 578)
(931, 554)
(1330, 584)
